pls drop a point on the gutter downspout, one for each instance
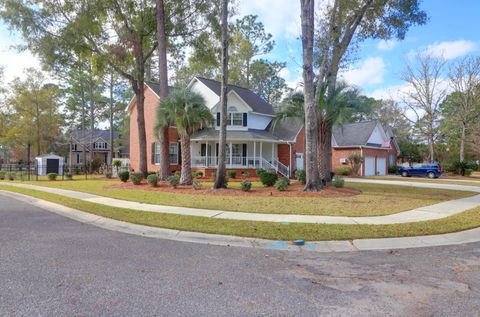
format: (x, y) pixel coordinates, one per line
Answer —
(363, 164)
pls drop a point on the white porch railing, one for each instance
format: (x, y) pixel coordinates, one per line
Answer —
(242, 162)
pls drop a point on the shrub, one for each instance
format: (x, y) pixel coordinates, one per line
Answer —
(68, 176)
(136, 178)
(246, 186)
(76, 170)
(197, 174)
(124, 176)
(468, 172)
(338, 182)
(151, 173)
(152, 180)
(117, 163)
(268, 178)
(196, 185)
(392, 169)
(282, 184)
(343, 170)
(246, 174)
(11, 176)
(108, 175)
(301, 176)
(95, 164)
(2, 175)
(232, 174)
(355, 161)
(174, 180)
(259, 171)
(52, 176)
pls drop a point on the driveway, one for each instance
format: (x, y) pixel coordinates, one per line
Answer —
(54, 266)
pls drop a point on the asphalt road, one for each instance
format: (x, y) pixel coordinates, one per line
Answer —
(53, 266)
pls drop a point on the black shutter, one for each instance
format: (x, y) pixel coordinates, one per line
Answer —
(179, 149)
(245, 116)
(244, 150)
(153, 153)
(203, 149)
(218, 119)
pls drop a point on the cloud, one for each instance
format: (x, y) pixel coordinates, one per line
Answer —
(448, 49)
(369, 72)
(386, 45)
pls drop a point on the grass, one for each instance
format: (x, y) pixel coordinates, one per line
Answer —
(266, 230)
(375, 200)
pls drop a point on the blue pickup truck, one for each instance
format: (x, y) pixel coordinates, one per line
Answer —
(432, 170)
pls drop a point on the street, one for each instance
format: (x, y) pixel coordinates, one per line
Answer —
(54, 266)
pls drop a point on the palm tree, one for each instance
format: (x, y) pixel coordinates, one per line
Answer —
(187, 111)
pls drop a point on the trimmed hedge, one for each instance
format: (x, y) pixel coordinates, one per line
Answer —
(282, 184)
(136, 178)
(343, 170)
(268, 178)
(301, 176)
(152, 180)
(52, 176)
(246, 186)
(338, 182)
(124, 176)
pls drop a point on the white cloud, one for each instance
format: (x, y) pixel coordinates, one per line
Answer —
(280, 17)
(448, 49)
(386, 45)
(369, 72)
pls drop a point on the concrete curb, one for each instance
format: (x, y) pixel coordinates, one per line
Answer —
(432, 212)
(462, 237)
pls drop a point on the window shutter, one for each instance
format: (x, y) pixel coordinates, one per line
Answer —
(244, 152)
(153, 153)
(245, 116)
(179, 152)
(218, 119)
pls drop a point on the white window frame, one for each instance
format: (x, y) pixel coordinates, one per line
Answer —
(173, 155)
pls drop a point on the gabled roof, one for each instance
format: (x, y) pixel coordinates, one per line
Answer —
(287, 129)
(354, 134)
(97, 134)
(253, 100)
(155, 87)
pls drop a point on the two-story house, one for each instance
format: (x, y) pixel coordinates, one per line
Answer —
(254, 140)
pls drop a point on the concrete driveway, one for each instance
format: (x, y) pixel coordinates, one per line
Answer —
(54, 266)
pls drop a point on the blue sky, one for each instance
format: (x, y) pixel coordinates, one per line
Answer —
(453, 30)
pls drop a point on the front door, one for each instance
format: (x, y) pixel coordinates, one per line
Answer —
(204, 152)
(299, 161)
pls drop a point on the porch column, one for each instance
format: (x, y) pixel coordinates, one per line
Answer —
(290, 162)
(206, 153)
(231, 154)
(261, 154)
(273, 149)
(254, 154)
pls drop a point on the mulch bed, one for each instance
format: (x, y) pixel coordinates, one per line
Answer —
(294, 190)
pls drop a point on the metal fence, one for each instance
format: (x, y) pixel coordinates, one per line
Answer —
(63, 171)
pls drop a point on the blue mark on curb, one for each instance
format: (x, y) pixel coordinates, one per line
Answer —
(279, 244)
(285, 222)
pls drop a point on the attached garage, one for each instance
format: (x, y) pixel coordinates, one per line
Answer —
(49, 163)
(369, 166)
(381, 166)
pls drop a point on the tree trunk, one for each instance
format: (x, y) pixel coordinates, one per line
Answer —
(92, 119)
(325, 150)
(111, 120)
(220, 180)
(313, 182)
(37, 122)
(142, 137)
(462, 142)
(84, 115)
(163, 77)
(431, 148)
(186, 173)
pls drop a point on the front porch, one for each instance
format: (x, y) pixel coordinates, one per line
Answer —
(241, 156)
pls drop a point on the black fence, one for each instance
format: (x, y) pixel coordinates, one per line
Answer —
(26, 172)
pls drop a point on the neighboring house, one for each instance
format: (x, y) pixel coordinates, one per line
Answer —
(101, 146)
(253, 140)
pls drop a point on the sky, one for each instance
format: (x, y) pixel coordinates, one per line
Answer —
(451, 32)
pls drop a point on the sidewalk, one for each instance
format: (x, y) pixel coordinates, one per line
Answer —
(432, 212)
(467, 236)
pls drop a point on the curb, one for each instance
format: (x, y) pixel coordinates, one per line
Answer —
(462, 237)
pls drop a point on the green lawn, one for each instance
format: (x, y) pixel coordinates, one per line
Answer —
(375, 199)
(267, 230)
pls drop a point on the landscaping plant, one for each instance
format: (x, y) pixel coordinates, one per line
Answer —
(259, 171)
(282, 184)
(68, 176)
(232, 174)
(246, 186)
(268, 178)
(196, 185)
(338, 182)
(108, 175)
(152, 180)
(245, 174)
(2, 175)
(343, 170)
(301, 176)
(136, 178)
(197, 174)
(355, 161)
(174, 180)
(52, 176)
(124, 176)
(10, 176)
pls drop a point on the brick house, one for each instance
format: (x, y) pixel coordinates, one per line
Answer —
(253, 140)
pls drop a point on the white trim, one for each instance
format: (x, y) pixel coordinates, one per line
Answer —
(361, 146)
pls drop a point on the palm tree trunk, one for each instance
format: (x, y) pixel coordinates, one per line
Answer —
(163, 76)
(186, 173)
(220, 180)
(313, 182)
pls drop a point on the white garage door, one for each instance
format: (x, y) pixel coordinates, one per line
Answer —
(381, 166)
(369, 166)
